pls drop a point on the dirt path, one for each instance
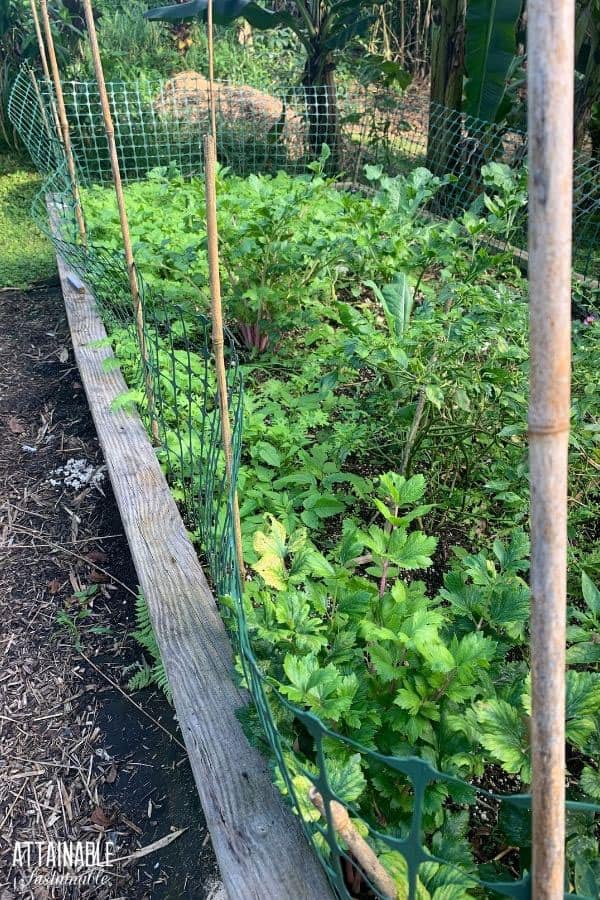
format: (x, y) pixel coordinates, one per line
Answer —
(77, 760)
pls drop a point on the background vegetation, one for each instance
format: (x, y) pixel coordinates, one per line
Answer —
(27, 256)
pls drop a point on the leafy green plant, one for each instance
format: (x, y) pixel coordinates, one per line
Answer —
(152, 671)
(504, 728)
(505, 197)
(491, 595)
(584, 628)
(130, 46)
(76, 612)
(18, 45)
(410, 334)
(362, 647)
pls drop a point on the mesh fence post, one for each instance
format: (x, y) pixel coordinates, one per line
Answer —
(550, 36)
(116, 172)
(64, 122)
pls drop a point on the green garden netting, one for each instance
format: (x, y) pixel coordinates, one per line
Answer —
(160, 123)
(156, 125)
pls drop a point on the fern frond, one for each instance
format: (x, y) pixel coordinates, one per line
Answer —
(154, 672)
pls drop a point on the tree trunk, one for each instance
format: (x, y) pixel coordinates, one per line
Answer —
(321, 101)
(589, 92)
(447, 71)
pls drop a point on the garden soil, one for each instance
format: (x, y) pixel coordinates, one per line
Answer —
(78, 760)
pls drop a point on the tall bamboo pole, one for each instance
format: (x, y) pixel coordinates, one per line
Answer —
(45, 69)
(116, 173)
(217, 332)
(211, 70)
(550, 42)
(216, 307)
(63, 120)
(40, 40)
(40, 100)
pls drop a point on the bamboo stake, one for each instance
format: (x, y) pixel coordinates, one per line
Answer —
(217, 332)
(40, 40)
(116, 173)
(550, 42)
(211, 70)
(63, 120)
(45, 69)
(210, 159)
(358, 847)
(40, 101)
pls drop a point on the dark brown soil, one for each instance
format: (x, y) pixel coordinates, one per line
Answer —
(78, 761)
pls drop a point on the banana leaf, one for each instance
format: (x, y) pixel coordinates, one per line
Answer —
(346, 30)
(224, 12)
(490, 48)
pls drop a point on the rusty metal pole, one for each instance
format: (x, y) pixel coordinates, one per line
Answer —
(125, 233)
(64, 122)
(550, 45)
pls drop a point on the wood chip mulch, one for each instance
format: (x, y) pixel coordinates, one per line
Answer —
(78, 761)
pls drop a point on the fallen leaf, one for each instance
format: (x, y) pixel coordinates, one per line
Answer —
(99, 817)
(54, 586)
(63, 355)
(98, 577)
(151, 848)
(15, 426)
(97, 556)
(111, 775)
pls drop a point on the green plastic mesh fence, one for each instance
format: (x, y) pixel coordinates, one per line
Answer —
(158, 125)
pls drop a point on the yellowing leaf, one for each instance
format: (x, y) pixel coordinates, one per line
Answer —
(271, 548)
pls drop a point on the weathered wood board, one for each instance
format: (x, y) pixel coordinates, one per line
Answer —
(261, 850)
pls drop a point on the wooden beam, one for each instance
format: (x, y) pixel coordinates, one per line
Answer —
(259, 844)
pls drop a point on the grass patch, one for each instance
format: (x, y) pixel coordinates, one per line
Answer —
(27, 256)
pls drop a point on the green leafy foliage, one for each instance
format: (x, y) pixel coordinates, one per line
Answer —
(505, 735)
(490, 49)
(584, 628)
(321, 32)
(490, 594)
(22, 263)
(377, 345)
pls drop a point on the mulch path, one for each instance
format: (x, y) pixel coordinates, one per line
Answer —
(78, 761)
